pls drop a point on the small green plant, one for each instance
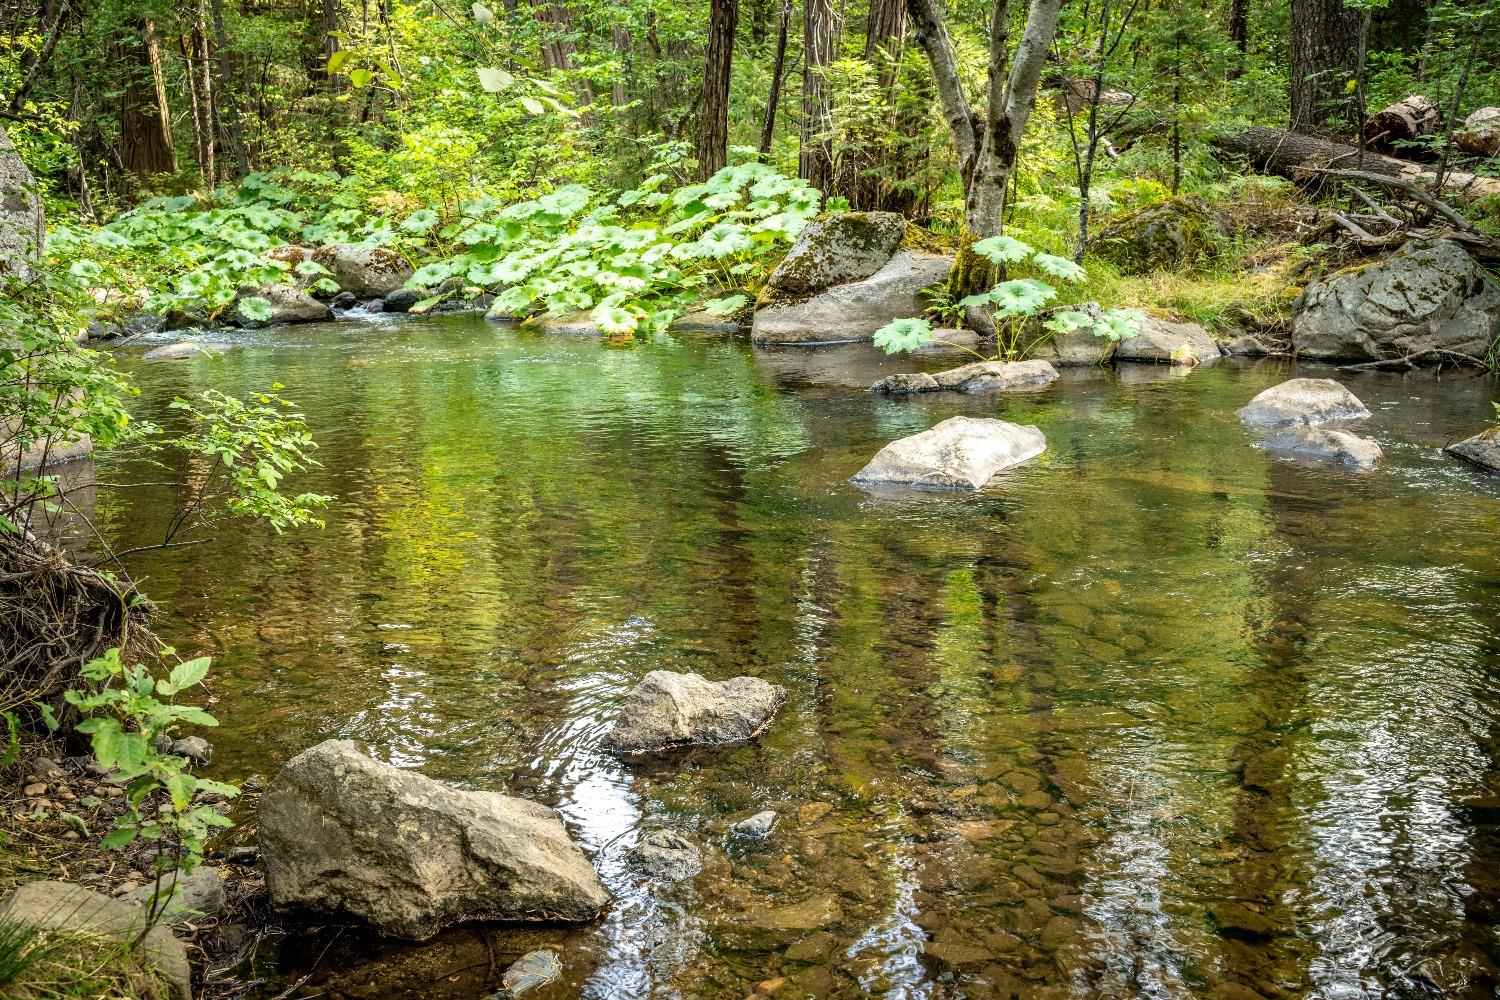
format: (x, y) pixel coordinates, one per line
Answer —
(127, 712)
(22, 946)
(1012, 305)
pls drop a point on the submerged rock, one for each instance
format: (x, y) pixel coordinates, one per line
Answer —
(1168, 343)
(1483, 449)
(666, 855)
(85, 915)
(1318, 442)
(1424, 298)
(757, 827)
(959, 453)
(183, 349)
(184, 898)
(669, 710)
(779, 926)
(981, 376)
(1303, 401)
(401, 300)
(905, 382)
(367, 272)
(855, 310)
(194, 748)
(345, 837)
(531, 970)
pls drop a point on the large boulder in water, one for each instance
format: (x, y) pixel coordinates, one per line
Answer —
(856, 309)
(959, 453)
(1483, 449)
(346, 837)
(1177, 231)
(368, 272)
(23, 226)
(667, 710)
(834, 250)
(1303, 401)
(288, 305)
(1321, 442)
(1159, 341)
(1424, 299)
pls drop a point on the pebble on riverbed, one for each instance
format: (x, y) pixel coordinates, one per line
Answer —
(757, 827)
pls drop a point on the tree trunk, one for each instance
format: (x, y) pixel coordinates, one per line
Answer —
(1239, 24)
(619, 41)
(886, 23)
(778, 70)
(145, 122)
(713, 116)
(1327, 38)
(231, 102)
(815, 165)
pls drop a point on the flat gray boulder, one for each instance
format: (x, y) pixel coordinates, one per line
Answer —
(1424, 299)
(1321, 442)
(346, 837)
(959, 453)
(855, 310)
(288, 305)
(1483, 449)
(669, 710)
(367, 272)
(837, 249)
(84, 914)
(1158, 341)
(981, 376)
(183, 350)
(1303, 401)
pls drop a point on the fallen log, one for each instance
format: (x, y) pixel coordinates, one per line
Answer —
(1288, 154)
(1409, 118)
(1481, 133)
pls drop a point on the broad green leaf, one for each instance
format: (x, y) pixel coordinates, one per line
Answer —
(1003, 249)
(1020, 297)
(482, 14)
(253, 307)
(361, 78)
(725, 306)
(614, 320)
(122, 836)
(184, 676)
(492, 79)
(533, 106)
(903, 335)
(1059, 267)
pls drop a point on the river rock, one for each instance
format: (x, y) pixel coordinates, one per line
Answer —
(905, 382)
(1163, 236)
(1483, 449)
(186, 897)
(668, 710)
(567, 324)
(344, 836)
(855, 310)
(86, 914)
(1167, 343)
(1303, 401)
(288, 305)
(183, 349)
(837, 249)
(959, 453)
(1319, 442)
(981, 376)
(757, 827)
(23, 227)
(194, 748)
(344, 300)
(1481, 133)
(401, 300)
(368, 272)
(1425, 297)
(666, 855)
(531, 970)
(1079, 346)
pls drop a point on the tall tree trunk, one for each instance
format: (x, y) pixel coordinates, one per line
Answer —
(207, 166)
(145, 121)
(1239, 24)
(886, 23)
(1326, 44)
(557, 45)
(865, 176)
(227, 86)
(778, 70)
(815, 165)
(713, 116)
(619, 41)
(330, 26)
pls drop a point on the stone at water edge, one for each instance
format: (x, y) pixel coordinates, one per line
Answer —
(346, 837)
(74, 910)
(1079, 346)
(367, 272)
(1162, 342)
(854, 311)
(835, 250)
(757, 827)
(669, 710)
(1303, 401)
(184, 898)
(288, 305)
(183, 350)
(1483, 449)
(531, 970)
(1319, 442)
(959, 453)
(905, 382)
(667, 855)
(981, 376)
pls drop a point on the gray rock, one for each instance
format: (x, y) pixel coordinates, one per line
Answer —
(1081, 346)
(532, 970)
(757, 827)
(1303, 401)
(184, 349)
(668, 710)
(368, 272)
(344, 300)
(1318, 442)
(996, 376)
(184, 898)
(63, 906)
(1247, 345)
(906, 382)
(1168, 343)
(666, 855)
(23, 226)
(959, 453)
(1483, 449)
(194, 748)
(701, 321)
(401, 300)
(344, 836)
(288, 305)
(1425, 297)
(837, 249)
(1166, 235)
(854, 311)
(568, 324)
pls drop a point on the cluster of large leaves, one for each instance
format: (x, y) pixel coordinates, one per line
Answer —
(632, 260)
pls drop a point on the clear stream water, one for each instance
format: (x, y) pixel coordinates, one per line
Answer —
(1156, 715)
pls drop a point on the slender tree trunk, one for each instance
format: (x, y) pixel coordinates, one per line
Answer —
(886, 23)
(778, 70)
(231, 102)
(1326, 42)
(207, 165)
(815, 165)
(1239, 24)
(619, 41)
(713, 116)
(145, 121)
(330, 26)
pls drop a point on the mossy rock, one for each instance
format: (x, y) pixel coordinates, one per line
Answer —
(835, 250)
(1178, 231)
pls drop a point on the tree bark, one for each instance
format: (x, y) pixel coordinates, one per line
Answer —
(231, 102)
(145, 121)
(619, 41)
(778, 70)
(1239, 24)
(886, 23)
(1327, 40)
(1409, 118)
(815, 165)
(713, 116)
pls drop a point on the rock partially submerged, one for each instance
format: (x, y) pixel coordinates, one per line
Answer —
(981, 376)
(184, 349)
(667, 710)
(757, 827)
(1320, 442)
(288, 305)
(855, 310)
(1162, 342)
(346, 837)
(531, 971)
(666, 855)
(1303, 401)
(1427, 301)
(1078, 346)
(83, 913)
(959, 453)
(1483, 449)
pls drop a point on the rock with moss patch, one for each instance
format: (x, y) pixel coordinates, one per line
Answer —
(856, 309)
(287, 305)
(834, 250)
(1176, 232)
(368, 272)
(1483, 449)
(1427, 301)
(1481, 133)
